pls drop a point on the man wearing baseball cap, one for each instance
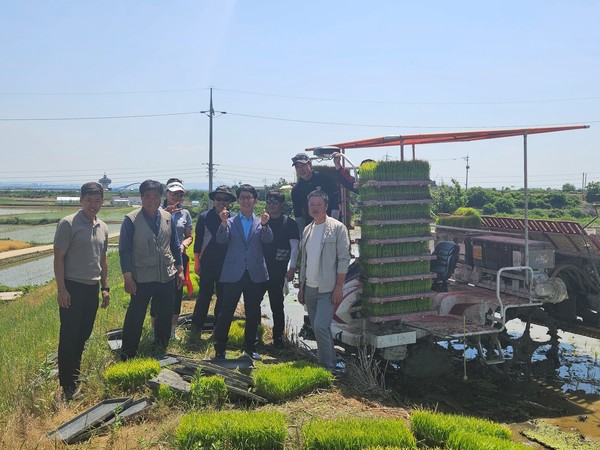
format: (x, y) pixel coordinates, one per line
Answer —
(310, 180)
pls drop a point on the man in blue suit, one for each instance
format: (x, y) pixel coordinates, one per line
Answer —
(244, 270)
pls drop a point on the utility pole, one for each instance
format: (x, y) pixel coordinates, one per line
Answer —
(467, 177)
(211, 113)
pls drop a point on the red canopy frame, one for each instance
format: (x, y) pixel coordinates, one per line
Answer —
(433, 138)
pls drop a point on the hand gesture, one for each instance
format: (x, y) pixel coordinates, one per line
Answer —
(173, 208)
(264, 218)
(337, 156)
(224, 215)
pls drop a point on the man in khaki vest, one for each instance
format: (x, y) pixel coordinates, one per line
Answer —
(151, 263)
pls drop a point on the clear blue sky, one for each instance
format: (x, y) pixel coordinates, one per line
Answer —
(292, 75)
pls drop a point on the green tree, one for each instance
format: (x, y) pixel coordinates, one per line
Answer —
(557, 199)
(592, 193)
(448, 199)
(569, 187)
(505, 205)
(478, 196)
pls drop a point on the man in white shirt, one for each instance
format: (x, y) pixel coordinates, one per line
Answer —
(325, 250)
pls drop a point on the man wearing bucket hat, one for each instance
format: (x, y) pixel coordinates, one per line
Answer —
(209, 257)
(310, 180)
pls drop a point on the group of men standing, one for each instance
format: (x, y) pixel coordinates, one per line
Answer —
(246, 253)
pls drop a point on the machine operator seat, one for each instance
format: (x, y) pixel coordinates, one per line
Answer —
(446, 253)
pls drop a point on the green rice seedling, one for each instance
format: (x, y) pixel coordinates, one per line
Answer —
(130, 374)
(236, 333)
(205, 391)
(395, 170)
(462, 218)
(464, 211)
(407, 306)
(164, 394)
(394, 269)
(465, 440)
(396, 288)
(279, 382)
(394, 231)
(234, 429)
(356, 433)
(396, 212)
(435, 428)
(384, 193)
(380, 447)
(390, 250)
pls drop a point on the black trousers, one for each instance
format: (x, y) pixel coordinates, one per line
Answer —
(275, 289)
(231, 296)
(207, 285)
(178, 292)
(162, 296)
(76, 323)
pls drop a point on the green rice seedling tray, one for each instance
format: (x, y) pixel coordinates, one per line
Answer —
(394, 170)
(423, 201)
(397, 221)
(78, 427)
(394, 193)
(396, 212)
(419, 248)
(377, 183)
(391, 309)
(418, 276)
(394, 231)
(395, 298)
(397, 269)
(394, 288)
(397, 259)
(397, 240)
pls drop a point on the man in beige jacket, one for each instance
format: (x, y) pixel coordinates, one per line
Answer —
(325, 250)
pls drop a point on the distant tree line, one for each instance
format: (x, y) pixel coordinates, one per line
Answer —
(567, 203)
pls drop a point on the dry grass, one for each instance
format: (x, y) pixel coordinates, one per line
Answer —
(7, 245)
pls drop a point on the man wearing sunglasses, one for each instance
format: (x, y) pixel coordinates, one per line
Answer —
(209, 257)
(278, 254)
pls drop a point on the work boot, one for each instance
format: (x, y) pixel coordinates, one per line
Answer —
(278, 343)
(195, 331)
(72, 393)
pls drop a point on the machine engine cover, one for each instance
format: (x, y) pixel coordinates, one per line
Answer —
(495, 252)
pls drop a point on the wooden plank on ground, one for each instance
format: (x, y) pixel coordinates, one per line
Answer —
(208, 367)
(171, 379)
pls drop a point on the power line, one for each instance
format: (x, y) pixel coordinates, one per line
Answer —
(163, 91)
(319, 99)
(135, 116)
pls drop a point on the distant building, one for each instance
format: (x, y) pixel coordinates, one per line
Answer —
(120, 201)
(105, 181)
(67, 200)
(195, 202)
(135, 201)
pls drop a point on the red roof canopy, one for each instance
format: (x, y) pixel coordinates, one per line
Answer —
(413, 139)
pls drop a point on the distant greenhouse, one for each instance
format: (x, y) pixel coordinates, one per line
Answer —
(67, 200)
